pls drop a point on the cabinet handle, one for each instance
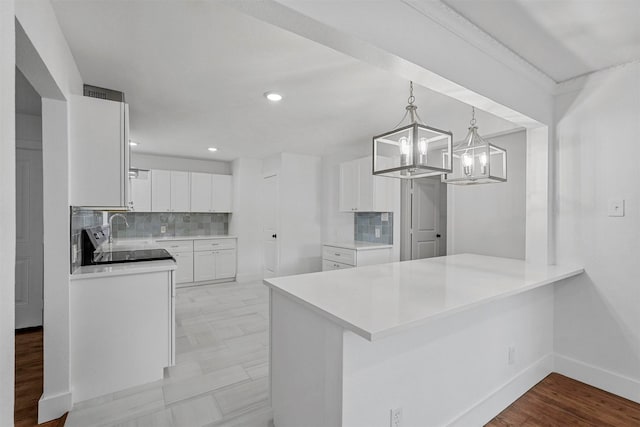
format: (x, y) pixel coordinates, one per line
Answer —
(175, 246)
(337, 254)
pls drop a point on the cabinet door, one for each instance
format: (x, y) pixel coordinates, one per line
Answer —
(184, 272)
(201, 192)
(204, 266)
(225, 264)
(98, 152)
(140, 192)
(222, 189)
(349, 177)
(366, 192)
(180, 192)
(160, 191)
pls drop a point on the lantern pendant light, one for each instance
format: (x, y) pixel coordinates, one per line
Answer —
(476, 161)
(413, 150)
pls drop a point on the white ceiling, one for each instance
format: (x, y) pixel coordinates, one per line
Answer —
(562, 38)
(194, 74)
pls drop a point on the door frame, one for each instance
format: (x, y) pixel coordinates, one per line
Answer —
(277, 225)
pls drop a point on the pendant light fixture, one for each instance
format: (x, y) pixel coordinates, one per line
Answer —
(413, 150)
(476, 161)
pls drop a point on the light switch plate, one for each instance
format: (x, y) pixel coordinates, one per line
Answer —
(163, 229)
(384, 217)
(378, 232)
(616, 207)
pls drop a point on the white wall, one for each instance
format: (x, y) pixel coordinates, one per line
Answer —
(490, 219)
(7, 210)
(339, 226)
(246, 220)
(597, 315)
(153, 161)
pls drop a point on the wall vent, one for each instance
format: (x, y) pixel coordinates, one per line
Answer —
(102, 93)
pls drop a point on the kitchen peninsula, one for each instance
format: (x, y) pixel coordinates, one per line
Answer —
(355, 347)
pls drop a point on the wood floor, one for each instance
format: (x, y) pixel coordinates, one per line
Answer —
(561, 401)
(28, 384)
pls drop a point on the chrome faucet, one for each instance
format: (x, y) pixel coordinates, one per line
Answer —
(111, 224)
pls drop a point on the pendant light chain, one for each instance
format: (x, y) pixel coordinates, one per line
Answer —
(473, 117)
(412, 98)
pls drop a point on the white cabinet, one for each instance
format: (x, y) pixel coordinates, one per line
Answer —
(170, 191)
(184, 272)
(211, 193)
(201, 192)
(222, 189)
(98, 152)
(340, 256)
(140, 192)
(180, 191)
(203, 260)
(160, 191)
(204, 266)
(361, 191)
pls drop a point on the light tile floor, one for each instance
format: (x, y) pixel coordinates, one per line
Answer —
(221, 372)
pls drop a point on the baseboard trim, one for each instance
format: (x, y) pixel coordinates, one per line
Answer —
(495, 402)
(597, 377)
(53, 407)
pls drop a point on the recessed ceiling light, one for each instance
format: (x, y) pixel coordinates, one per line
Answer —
(212, 149)
(133, 143)
(272, 96)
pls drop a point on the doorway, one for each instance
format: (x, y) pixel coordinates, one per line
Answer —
(270, 225)
(29, 208)
(423, 218)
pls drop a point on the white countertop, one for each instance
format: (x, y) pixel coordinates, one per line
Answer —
(358, 246)
(380, 300)
(169, 238)
(121, 269)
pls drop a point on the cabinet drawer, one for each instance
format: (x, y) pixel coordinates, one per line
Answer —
(332, 265)
(341, 255)
(212, 244)
(175, 246)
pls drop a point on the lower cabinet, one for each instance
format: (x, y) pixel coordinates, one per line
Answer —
(339, 257)
(203, 260)
(184, 273)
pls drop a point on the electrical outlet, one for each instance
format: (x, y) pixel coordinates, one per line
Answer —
(377, 232)
(511, 358)
(396, 418)
(384, 217)
(163, 229)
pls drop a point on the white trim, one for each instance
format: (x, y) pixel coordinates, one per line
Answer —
(53, 407)
(612, 382)
(487, 408)
(449, 18)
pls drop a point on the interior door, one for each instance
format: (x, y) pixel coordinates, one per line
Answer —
(425, 218)
(270, 225)
(29, 230)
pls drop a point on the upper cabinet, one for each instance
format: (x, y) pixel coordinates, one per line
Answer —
(140, 191)
(170, 191)
(361, 191)
(174, 191)
(98, 152)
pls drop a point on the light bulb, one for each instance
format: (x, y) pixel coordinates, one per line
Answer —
(405, 150)
(467, 162)
(423, 146)
(483, 163)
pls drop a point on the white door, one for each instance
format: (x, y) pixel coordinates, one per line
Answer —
(180, 191)
(204, 266)
(270, 225)
(201, 192)
(425, 218)
(140, 192)
(225, 264)
(160, 191)
(29, 229)
(222, 188)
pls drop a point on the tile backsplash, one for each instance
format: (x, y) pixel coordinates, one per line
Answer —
(366, 223)
(149, 224)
